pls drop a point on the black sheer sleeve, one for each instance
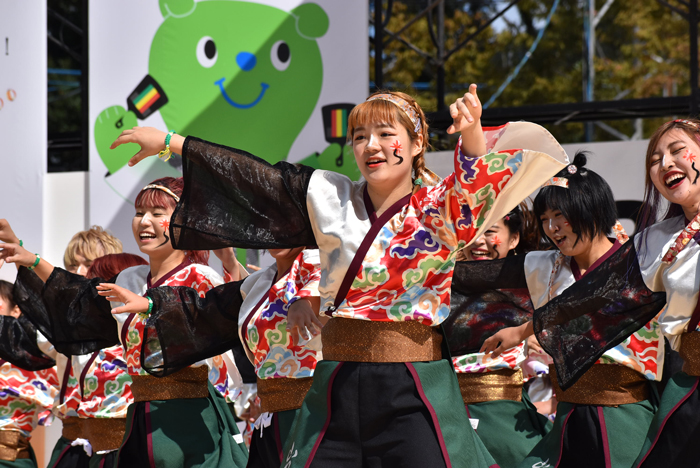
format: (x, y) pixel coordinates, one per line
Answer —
(234, 199)
(185, 328)
(67, 310)
(18, 344)
(486, 297)
(595, 314)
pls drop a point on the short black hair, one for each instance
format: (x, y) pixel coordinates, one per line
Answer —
(6, 293)
(588, 204)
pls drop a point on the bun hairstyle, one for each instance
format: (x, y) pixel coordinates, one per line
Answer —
(587, 204)
(379, 110)
(651, 205)
(153, 195)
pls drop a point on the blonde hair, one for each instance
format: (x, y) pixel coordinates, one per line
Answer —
(91, 244)
(379, 110)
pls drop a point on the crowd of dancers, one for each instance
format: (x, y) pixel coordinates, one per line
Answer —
(407, 321)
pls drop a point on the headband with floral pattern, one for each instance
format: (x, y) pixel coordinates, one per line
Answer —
(403, 105)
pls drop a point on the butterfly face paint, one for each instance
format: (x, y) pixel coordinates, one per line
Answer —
(396, 146)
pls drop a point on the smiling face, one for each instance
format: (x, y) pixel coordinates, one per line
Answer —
(557, 228)
(384, 153)
(674, 169)
(493, 244)
(150, 227)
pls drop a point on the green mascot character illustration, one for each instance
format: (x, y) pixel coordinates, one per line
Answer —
(237, 73)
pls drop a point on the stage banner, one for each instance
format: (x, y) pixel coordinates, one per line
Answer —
(276, 78)
(22, 119)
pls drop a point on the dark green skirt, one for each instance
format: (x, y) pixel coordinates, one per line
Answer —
(673, 434)
(65, 456)
(197, 432)
(437, 385)
(509, 429)
(613, 435)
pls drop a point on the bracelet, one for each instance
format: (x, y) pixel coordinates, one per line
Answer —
(150, 307)
(21, 244)
(38, 259)
(166, 153)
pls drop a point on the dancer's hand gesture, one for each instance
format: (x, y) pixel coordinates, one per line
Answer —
(466, 112)
(133, 303)
(151, 140)
(302, 319)
(6, 233)
(13, 253)
(506, 339)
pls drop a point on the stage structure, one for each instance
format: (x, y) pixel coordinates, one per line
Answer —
(22, 128)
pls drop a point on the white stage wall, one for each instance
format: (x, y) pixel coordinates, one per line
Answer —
(22, 119)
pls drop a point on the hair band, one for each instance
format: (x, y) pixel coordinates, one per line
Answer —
(557, 182)
(688, 122)
(401, 104)
(164, 189)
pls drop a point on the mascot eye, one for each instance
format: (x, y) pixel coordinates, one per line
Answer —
(206, 52)
(280, 55)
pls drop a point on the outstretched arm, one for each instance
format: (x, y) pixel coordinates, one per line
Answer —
(151, 140)
(507, 338)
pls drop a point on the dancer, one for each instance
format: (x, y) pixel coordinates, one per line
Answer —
(284, 353)
(602, 418)
(387, 249)
(668, 256)
(200, 428)
(93, 391)
(492, 389)
(26, 396)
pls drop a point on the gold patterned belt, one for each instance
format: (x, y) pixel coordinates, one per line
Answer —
(102, 433)
(690, 352)
(604, 385)
(190, 382)
(352, 340)
(502, 384)
(282, 394)
(13, 445)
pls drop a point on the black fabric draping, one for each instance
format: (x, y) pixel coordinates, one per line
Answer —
(234, 199)
(185, 328)
(596, 314)
(486, 297)
(18, 344)
(67, 310)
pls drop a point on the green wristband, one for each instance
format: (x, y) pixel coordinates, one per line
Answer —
(38, 259)
(21, 244)
(150, 305)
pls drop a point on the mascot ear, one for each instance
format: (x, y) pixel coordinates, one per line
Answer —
(312, 21)
(176, 8)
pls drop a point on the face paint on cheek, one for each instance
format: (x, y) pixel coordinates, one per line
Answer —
(165, 224)
(697, 173)
(396, 146)
(566, 223)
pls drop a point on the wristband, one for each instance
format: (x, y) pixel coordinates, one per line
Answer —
(21, 244)
(166, 153)
(36, 262)
(150, 307)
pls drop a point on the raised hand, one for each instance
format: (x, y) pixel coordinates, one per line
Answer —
(151, 140)
(13, 253)
(6, 233)
(466, 112)
(133, 303)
